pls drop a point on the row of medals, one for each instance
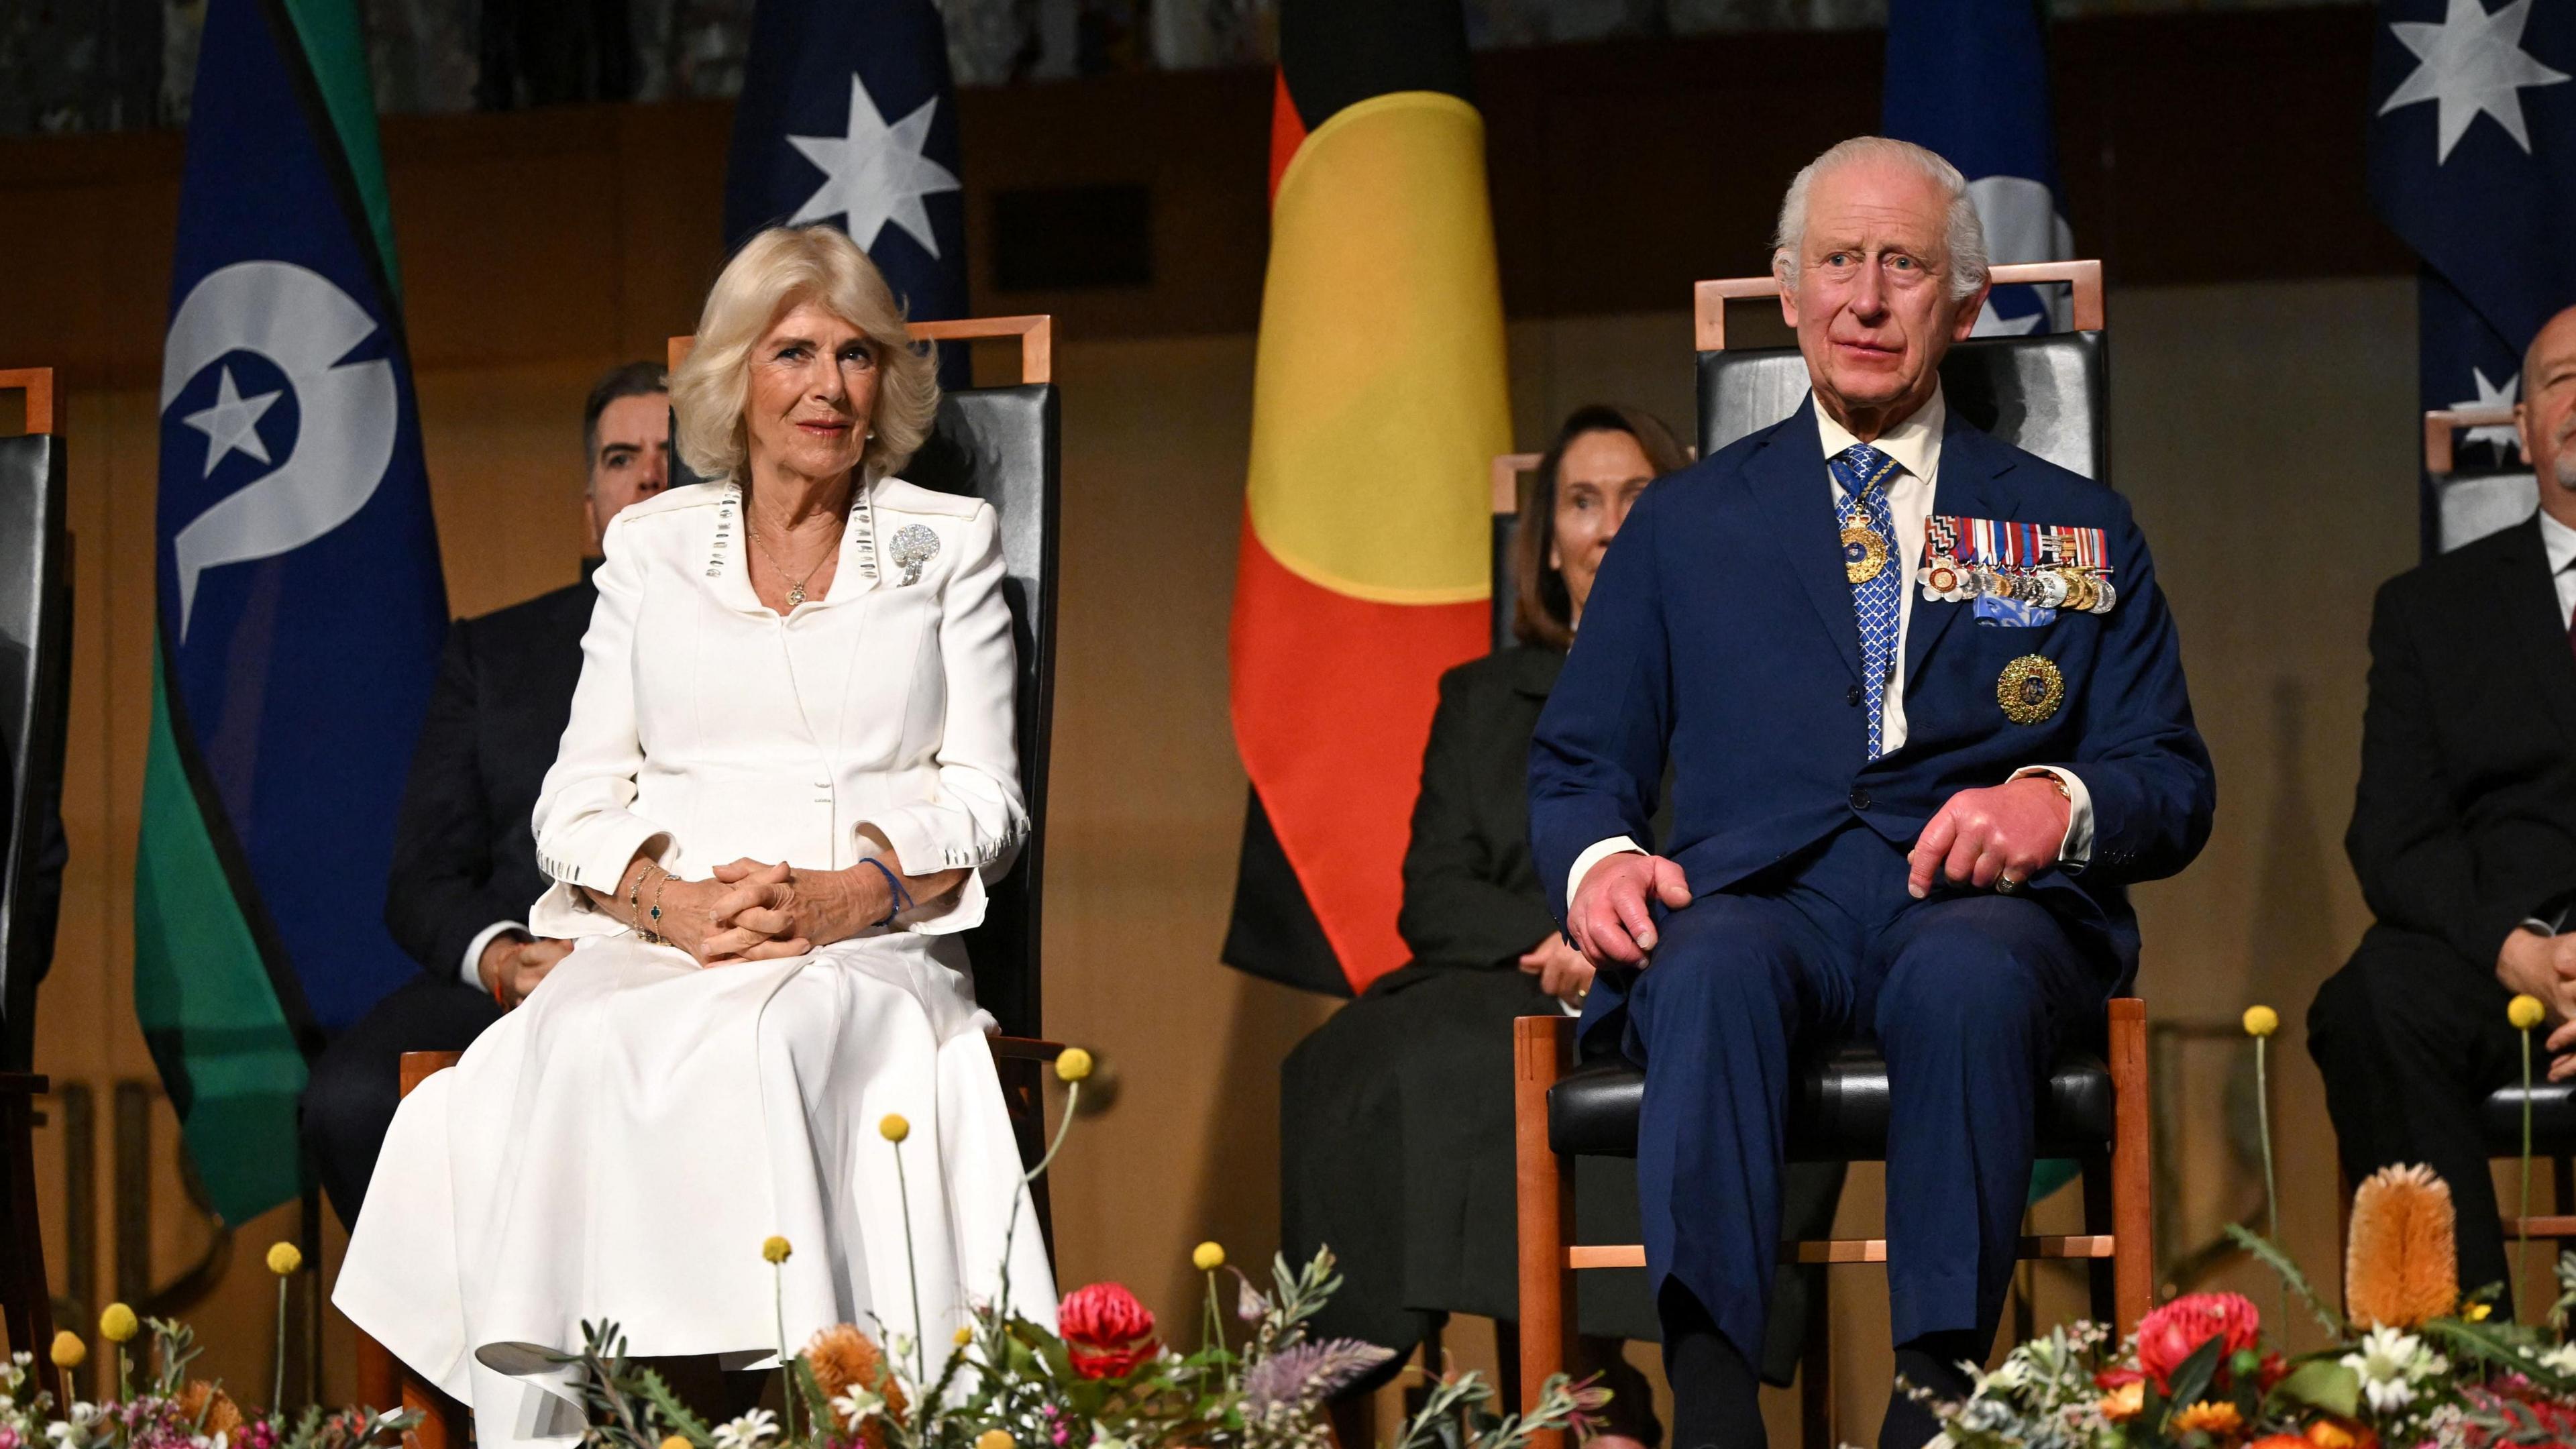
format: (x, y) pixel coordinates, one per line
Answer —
(2070, 586)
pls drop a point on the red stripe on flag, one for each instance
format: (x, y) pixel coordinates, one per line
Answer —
(1333, 698)
(1287, 133)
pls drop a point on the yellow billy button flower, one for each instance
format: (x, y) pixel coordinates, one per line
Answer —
(2261, 1021)
(2477, 1312)
(963, 1336)
(894, 1129)
(775, 1249)
(1073, 1065)
(1208, 1257)
(996, 1439)
(118, 1324)
(675, 1441)
(2525, 1012)
(68, 1352)
(284, 1258)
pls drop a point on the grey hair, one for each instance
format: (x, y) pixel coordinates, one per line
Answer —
(1965, 238)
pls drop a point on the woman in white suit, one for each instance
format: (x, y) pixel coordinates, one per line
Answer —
(789, 771)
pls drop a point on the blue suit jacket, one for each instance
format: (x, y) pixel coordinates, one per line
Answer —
(1721, 634)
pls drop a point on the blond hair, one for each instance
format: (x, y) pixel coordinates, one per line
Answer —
(773, 273)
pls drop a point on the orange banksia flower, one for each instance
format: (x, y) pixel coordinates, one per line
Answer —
(222, 1415)
(2400, 1270)
(2216, 1418)
(844, 1359)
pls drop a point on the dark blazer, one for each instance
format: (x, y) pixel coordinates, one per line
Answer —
(1471, 891)
(2465, 819)
(1722, 634)
(465, 854)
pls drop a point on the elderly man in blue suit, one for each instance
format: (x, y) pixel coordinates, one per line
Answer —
(1925, 713)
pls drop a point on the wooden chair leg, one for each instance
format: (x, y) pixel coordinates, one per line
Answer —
(379, 1375)
(1540, 1045)
(444, 1423)
(2099, 1217)
(1816, 1365)
(2133, 1212)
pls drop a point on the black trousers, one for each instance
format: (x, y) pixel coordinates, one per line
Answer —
(350, 1099)
(2411, 1036)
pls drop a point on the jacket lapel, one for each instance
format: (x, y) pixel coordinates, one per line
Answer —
(2527, 613)
(1793, 499)
(1972, 485)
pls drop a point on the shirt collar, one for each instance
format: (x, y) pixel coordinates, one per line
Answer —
(2559, 540)
(1915, 443)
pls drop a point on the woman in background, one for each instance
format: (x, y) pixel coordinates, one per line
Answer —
(1396, 1133)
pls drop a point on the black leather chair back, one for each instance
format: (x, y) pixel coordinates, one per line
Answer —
(1506, 528)
(35, 702)
(2047, 395)
(1000, 444)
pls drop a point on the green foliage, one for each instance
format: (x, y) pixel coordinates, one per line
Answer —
(2318, 1384)
(2270, 1255)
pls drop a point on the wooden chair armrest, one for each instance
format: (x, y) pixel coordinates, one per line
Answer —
(1025, 1049)
(419, 1067)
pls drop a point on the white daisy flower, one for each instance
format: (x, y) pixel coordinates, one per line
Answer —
(2560, 1360)
(2390, 1364)
(748, 1432)
(857, 1406)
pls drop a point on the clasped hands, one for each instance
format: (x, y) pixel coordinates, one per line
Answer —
(763, 911)
(1979, 837)
(2545, 967)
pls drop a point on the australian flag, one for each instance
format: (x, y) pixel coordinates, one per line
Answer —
(1969, 79)
(2473, 162)
(848, 118)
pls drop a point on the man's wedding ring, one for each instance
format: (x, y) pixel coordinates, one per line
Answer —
(2006, 885)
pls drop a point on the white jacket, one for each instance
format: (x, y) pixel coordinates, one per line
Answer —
(707, 728)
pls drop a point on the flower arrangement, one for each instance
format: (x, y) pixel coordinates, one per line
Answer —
(1104, 1378)
(169, 1408)
(2411, 1363)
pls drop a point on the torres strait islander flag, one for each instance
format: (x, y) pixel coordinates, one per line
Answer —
(300, 606)
(1379, 403)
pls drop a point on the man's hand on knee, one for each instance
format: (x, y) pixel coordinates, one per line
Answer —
(2002, 833)
(1608, 917)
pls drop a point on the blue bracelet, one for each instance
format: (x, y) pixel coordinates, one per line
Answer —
(899, 899)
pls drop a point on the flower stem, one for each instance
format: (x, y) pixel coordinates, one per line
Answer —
(277, 1385)
(1215, 1335)
(912, 1263)
(786, 1375)
(2271, 1182)
(1064, 1128)
(2522, 1228)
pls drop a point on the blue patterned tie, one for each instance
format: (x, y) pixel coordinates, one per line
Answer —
(1864, 472)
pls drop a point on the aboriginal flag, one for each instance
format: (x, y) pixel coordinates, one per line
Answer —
(1379, 403)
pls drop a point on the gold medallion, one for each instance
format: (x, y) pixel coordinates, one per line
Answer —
(2080, 592)
(2031, 689)
(1864, 552)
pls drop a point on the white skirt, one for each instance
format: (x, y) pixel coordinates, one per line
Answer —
(619, 1147)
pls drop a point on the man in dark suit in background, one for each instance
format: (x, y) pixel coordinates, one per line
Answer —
(2464, 834)
(1925, 713)
(465, 861)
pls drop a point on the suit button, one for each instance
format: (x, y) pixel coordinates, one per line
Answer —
(1851, 696)
(1860, 799)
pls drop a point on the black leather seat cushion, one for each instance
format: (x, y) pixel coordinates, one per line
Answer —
(1838, 1115)
(2553, 1120)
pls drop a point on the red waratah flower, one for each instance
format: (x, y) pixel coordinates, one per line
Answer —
(2176, 1331)
(1107, 1333)
(2116, 1378)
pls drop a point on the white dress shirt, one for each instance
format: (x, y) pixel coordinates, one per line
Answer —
(1915, 444)
(471, 969)
(2560, 543)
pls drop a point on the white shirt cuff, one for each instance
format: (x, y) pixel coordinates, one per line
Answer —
(2077, 848)
(473, 963)
(1593, 855)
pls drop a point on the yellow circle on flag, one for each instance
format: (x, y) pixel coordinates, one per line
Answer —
(1379, 396)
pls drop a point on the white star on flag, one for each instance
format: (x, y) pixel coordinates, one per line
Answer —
(232, 424)
(876, 173)
(2472, 62)
(2500, 436)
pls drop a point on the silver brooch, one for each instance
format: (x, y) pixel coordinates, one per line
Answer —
(914, 545)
